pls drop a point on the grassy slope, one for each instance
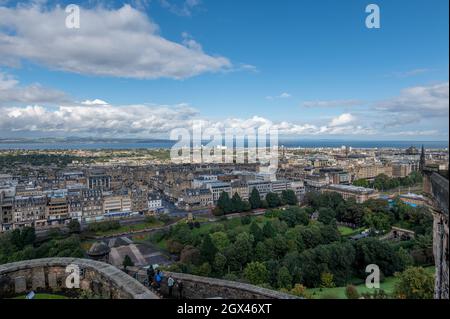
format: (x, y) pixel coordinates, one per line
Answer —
(339, 292)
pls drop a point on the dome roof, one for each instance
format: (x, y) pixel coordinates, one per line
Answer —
(99, 249)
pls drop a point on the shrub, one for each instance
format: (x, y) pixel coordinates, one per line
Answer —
(351, 292)
(246, 220)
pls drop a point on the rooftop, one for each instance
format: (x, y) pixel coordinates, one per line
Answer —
(351, 188)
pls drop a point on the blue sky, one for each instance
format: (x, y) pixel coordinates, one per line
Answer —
(310, 67)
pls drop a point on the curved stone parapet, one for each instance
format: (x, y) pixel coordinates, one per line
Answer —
(50, 274)
(196, 287)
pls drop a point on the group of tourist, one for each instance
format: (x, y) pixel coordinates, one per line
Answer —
(155, 278)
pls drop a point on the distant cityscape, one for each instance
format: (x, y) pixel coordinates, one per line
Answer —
(102, 184)
(134, 191)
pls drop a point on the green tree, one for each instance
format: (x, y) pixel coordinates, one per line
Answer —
(414, 283)
(336, 258)
(381, 253)
(256, 273)
(237, 203)
(294, 216)
(255, 199)
(241, 251)
(284, 278)
(203, 270)
(288, 197)
(23, 237)
(268, 230)
(74, 226)
(327, 280)
(262, 252)
(220, 261)
(220, 240)
(246, 206)
(326, 215)
(273, 200)
(246, 220)
(377, 220)
(208, 250)
(256, 232)
(361, 183)
(224, 203)
(127, 262)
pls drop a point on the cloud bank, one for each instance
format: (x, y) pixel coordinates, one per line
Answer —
(120, 42)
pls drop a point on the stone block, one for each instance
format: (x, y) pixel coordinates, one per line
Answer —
(52, 280)
(38, 278)
(20, 284)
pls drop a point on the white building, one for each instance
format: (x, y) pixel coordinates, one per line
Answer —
(263, 187)
(201, 180)
(116, 203)
(218, 188)
(154, 202)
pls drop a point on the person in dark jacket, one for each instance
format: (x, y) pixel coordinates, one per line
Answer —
(150, 275)
(180, 289)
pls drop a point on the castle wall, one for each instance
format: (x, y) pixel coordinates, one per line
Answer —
(196, 287)
(49, 275)
(438, 187)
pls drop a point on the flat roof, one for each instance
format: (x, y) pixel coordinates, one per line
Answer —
(351, 188)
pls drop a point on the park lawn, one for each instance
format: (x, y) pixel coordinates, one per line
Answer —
(130, 228)
(43, 296)
(347, 231)
(387, 285)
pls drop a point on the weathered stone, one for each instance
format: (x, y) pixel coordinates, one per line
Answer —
(20, 284)
(196, 287)
(109, 281)
(38, 279)
(437, 187)
(52, 280)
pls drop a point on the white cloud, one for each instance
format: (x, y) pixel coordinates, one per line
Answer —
(185, 9)
(331, 103)
(427, 101)
(94, 102)
(95, 118)
(283, 95)
(92, 119)
(342, 119)
(110, 42)
(12, 92)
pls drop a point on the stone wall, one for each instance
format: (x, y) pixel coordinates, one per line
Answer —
(49, 275)
(438, 188)
(196, 287)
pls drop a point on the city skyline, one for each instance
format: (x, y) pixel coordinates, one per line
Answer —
(143, 68)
